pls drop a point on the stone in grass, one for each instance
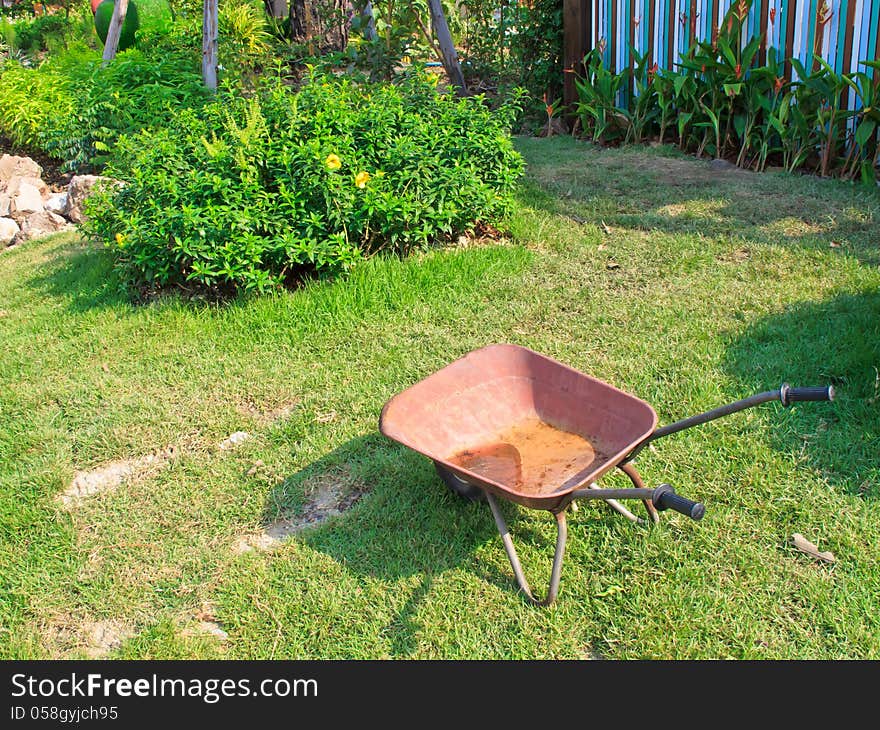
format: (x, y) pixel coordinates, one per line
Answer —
(39, 224)
(234, 440)
(8, 231)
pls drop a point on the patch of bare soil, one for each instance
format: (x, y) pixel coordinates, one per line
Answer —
(110, 476)
(677, 172)
(328, 495)
(267, 415)
(67, 636)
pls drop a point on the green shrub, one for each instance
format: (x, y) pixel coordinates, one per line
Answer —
(28, 97)
(254, 193)
(42, 32)
(129, 95)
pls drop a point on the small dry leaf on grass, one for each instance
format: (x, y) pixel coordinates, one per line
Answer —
(805, 546)
(835, 244)
(612, 266)
(605, 229)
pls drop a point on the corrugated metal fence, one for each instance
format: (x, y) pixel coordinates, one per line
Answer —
(843, 32)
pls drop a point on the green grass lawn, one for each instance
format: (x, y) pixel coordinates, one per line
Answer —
(681, 284)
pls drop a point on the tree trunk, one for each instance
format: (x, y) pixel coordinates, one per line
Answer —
(277, 8)
(444, 39)
(115, 29)
(300, 21)
(209, 44)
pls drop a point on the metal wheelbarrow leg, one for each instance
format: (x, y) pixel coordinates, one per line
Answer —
(555, 574)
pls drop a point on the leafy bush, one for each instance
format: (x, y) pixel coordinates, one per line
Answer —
(124, 97)
(39, 33)
(253, 193)
(28, 97)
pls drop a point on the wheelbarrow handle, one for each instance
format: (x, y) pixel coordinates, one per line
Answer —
(788, 395)
(665, 497)
(785, 395)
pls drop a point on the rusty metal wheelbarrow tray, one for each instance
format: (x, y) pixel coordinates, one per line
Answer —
(482, 397)
(505, 421)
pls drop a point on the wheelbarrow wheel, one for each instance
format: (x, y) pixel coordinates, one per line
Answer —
(459, 486)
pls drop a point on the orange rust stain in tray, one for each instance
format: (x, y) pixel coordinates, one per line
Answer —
(531, 457)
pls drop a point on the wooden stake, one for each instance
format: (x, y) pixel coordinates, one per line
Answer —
(209, 44)
(447, 48)
(120, 8)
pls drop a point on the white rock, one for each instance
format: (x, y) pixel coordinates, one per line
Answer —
(234, 440)
(13, 185)
(18, 167)
(56, 203)
(8, 231)
(5, 205)
(28, 199)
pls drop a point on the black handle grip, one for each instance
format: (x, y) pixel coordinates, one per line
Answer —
(789, 395)
(665, 497)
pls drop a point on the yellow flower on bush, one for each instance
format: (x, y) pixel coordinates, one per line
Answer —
(120, 239)
(362, 178)
(333, 162)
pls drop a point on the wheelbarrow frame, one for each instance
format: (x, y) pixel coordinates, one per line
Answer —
(583, 486)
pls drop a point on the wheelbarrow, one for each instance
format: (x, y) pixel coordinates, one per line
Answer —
(507, 422)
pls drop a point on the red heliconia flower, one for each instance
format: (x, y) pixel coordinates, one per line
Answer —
(742, 10)
(602, 45)
(778, 84)
(738, 69)
(772, 15)
(703, 69)
(652, 72)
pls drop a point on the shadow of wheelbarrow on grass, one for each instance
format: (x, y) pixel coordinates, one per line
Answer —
(836, 341)
(393, 520)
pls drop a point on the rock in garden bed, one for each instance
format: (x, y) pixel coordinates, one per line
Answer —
(29, 208)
